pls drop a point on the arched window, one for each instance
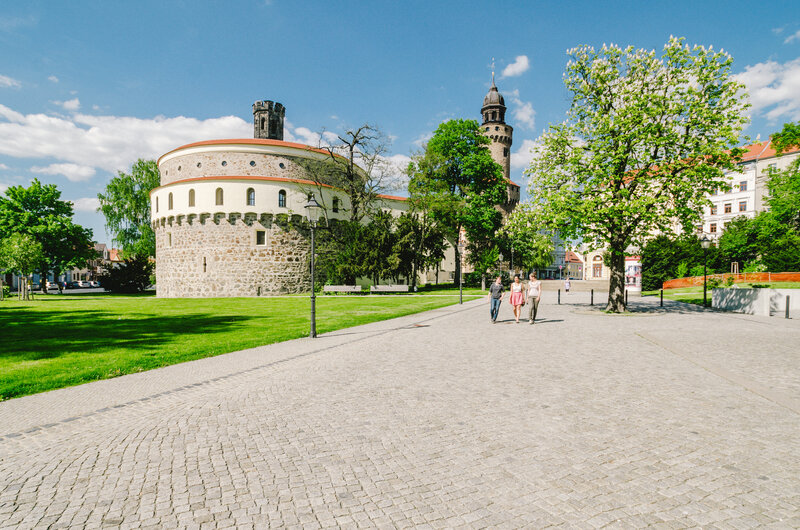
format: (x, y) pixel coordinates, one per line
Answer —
(262, 124)
(251, 197)
(336, 205)
(156, 204)
(169, 201)
(191, 197)
(219, 196)
(282, 199)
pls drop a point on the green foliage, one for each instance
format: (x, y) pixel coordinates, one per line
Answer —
(765, 239)
(697, 270)
(21, 254)
(457, 183)
(788, 137)
(784, 192)
(6, 291)
(755, 266)
(646, 140)
(126, 207)
(714, 282)
(39, 212)
(665, 258)
(729, 281)
(131, 276)
(419, 244)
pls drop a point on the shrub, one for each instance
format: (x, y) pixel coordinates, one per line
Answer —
(760, 286)
(132, 276)
(729, 281)
(682, 270)
(714, 282)
(697, 270)
(755, 266)
(6, 291)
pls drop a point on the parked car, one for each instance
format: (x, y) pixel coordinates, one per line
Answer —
(83, 284)
(52, 285)
(94, 283)
(72, 285)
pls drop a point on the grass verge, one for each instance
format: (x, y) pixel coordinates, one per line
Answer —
(63, 340)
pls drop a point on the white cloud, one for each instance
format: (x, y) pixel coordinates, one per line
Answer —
(422, 139)
(521, 158)
(110, 143)
(396, 172)
(53, 79)
(3, 187)
(73, 172)
(3, 166)
(72, 104)
(774, 89)
(86, 204)
(522, 112)
(8, 82)
(518, 67)
(794, 36)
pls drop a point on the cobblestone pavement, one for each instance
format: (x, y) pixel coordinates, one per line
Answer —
(665, 418)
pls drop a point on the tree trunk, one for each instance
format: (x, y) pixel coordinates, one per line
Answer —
(616, 288)
(413, 278)
(483, 282)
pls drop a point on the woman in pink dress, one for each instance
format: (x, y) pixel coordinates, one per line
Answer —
(517, 297)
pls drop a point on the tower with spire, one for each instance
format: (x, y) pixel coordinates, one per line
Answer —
(501, 134)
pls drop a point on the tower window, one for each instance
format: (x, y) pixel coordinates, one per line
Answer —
(336, 205)
(156, 204)
(169, 201)
(262, 123)
(282, 199)
(169, 239)
(204, 264)
(261, 238)
(252, 163)
(219, 196)
(191, 197)
(251, 197)
(505, 151)
(224, 163)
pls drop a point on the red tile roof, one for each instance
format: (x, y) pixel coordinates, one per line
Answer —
(762, 150)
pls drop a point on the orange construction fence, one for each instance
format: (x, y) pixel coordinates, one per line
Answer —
(751, 277)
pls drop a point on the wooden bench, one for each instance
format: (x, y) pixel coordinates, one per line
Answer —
(341, 289)
(389, 289)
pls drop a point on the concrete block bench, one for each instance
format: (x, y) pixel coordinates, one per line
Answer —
(389, 289)
(341, 289)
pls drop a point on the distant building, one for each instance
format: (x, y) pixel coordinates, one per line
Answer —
(746, 190)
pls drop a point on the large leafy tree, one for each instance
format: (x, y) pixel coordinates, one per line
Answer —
(39, 212)
(784, 186)
(456, 181)
(418, 245)
(646, 140)
(126, 207)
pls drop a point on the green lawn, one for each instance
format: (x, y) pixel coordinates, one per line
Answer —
(62, 340)
(694, 295)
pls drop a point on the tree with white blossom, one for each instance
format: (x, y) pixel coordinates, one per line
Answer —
(646, 139)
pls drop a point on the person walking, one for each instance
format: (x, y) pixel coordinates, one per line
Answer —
(566, 284)
(495, 297)
(534, 295)
(517, 298)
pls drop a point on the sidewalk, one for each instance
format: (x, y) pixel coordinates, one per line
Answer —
(666, 417)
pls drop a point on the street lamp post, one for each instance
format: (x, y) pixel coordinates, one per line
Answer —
(460, 272)
(705, 243)
(312, 214)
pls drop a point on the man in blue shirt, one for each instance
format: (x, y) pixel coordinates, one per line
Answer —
(495, 297)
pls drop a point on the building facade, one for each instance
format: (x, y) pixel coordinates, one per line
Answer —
(746, 189)
(229, 216)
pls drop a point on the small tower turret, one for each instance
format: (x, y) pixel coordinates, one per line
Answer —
(268, 120)
(502, 135)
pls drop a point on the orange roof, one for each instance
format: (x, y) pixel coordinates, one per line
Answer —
(114, 255)
(272, 179)
(249, 141)
(762, 150)
(571, 257)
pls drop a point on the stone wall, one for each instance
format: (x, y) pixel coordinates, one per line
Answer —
(221, 258)
(220, 164)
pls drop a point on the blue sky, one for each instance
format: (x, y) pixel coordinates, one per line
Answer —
(86, 87)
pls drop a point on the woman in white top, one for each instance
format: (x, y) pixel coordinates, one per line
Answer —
(534, 295)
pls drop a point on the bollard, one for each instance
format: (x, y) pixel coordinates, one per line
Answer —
(626, 298)
(559, 297)
(662, 297)
(591, 300)
(787, 306)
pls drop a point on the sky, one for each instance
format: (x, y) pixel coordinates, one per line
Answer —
(88, 87)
